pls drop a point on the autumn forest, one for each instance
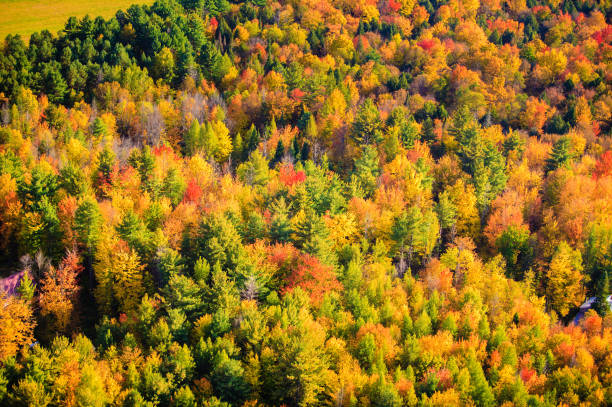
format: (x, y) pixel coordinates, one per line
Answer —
(309, 203)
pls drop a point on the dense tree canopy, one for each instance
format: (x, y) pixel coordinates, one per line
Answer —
(302, 203)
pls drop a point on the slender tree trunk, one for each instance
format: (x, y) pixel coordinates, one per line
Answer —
(402, 265)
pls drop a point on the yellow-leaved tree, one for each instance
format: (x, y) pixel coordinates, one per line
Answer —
(564, 287)
(16, 325)
(223, 142)
(120, 277)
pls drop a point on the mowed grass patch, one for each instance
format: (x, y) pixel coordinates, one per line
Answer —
(25, 17)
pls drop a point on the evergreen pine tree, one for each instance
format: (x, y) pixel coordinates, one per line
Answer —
(603, 292)
(367, 170)
(463, 120)
(480, 158)
(278, 154)
(408, 133)
(99, 128)
(294, 149)
(447, 213)
(174, 186)
(312, 236)
(87, 223)
(294, 76)
(252, 139)
(560, 155)
(404, 232)
(237, 144)
(192, 4)
(105, 172)
(193, 138)
(479, 387)
(53, 83)
(514, 143)
(427, 132)
(280, 228)
(305, 152)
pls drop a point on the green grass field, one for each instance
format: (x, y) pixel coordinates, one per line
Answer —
(27, 16)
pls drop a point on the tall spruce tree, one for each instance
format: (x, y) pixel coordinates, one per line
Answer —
(560, 155)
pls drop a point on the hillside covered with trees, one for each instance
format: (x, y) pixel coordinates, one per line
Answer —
(309, 203)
